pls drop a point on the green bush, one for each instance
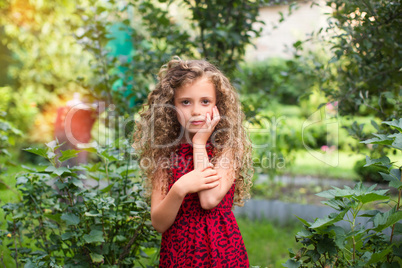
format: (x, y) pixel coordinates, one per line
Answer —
(8, 133)
(369, 173)
(62, 221)
(325, 244)
(271, 79)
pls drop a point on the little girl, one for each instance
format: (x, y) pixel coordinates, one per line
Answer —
(196, 158)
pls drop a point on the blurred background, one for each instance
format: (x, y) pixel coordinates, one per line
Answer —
(315, 78)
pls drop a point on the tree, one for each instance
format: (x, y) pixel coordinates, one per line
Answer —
(363, 73)
(48, 59)
(365, 42)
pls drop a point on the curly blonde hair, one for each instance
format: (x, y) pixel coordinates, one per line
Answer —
(158, 131)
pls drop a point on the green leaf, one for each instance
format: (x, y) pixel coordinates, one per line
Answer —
(60, 185)
(90, 214)
(18, 216)
(143, 254)
(107, 188)
(141, 204)
(328, 220)
(339, 237)
(108, 156)
(3, 186)
(379, 256)
(29, 168)
(303, 221)
(386, 219)
(335, 203)
(396, 123)
(37, 151)
(90, 149)
(58, 171)
(291, 263)
(397, 141)
(70, 218)
(96, 258)
(94, 236)
(380, 139)
(371, 197)
(66, 235)
(393, 177)
(396, 184)
(55, 217)
(93, 168)
(77, 183)
(326, 245)
(388, 177)
(383, 161)
(375, 125)
(120, 238)
(291, 252)
(68, 154)
(359, 192)
(21, 180)
(52, 145)
(304, 234)
(370, 213)
(398, 228)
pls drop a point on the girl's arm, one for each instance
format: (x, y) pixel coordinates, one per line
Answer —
(164, 208)
(210, 198)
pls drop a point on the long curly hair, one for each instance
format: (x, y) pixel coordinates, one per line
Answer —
(158, 132)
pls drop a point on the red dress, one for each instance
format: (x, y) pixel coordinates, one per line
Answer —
(198, 237)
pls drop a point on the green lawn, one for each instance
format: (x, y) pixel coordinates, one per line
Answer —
(267, 243)
(337, 164)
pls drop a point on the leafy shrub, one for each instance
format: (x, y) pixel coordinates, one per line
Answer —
(325, 244)
(368, 173)
(8, 133)
(272, 79)
(64, 221)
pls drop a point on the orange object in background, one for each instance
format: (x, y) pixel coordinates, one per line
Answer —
(73, 126)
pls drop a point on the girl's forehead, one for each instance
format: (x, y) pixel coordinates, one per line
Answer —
(202, 86)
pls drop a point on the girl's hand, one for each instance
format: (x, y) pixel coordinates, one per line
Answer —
(202, 136)
(198, 180)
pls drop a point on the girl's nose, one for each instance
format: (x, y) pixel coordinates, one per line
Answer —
(196, 110)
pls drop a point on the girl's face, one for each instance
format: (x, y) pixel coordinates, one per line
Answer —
(193, 102)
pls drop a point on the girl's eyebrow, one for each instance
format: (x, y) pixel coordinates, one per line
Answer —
(204, 97)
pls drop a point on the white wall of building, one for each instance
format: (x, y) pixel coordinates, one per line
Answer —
(297, 26)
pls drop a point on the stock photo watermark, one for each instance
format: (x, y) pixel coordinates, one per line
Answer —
(269, 128)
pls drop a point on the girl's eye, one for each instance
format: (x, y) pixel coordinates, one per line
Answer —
(185, 102)
(206, 101)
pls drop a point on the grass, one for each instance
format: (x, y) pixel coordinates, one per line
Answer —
(335, 165)
(267, 243)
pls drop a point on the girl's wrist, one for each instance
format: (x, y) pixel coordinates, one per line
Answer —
(199, 143)
(178, 190)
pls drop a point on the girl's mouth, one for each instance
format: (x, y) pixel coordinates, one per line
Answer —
(197, 122)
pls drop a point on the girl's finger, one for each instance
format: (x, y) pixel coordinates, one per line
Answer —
(210, 165)
(212, 179)
(210, 172)
(211, 185)
(216, 112)
(208, 118)
(217, 116)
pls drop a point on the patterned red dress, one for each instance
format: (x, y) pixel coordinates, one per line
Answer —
(198, 237)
